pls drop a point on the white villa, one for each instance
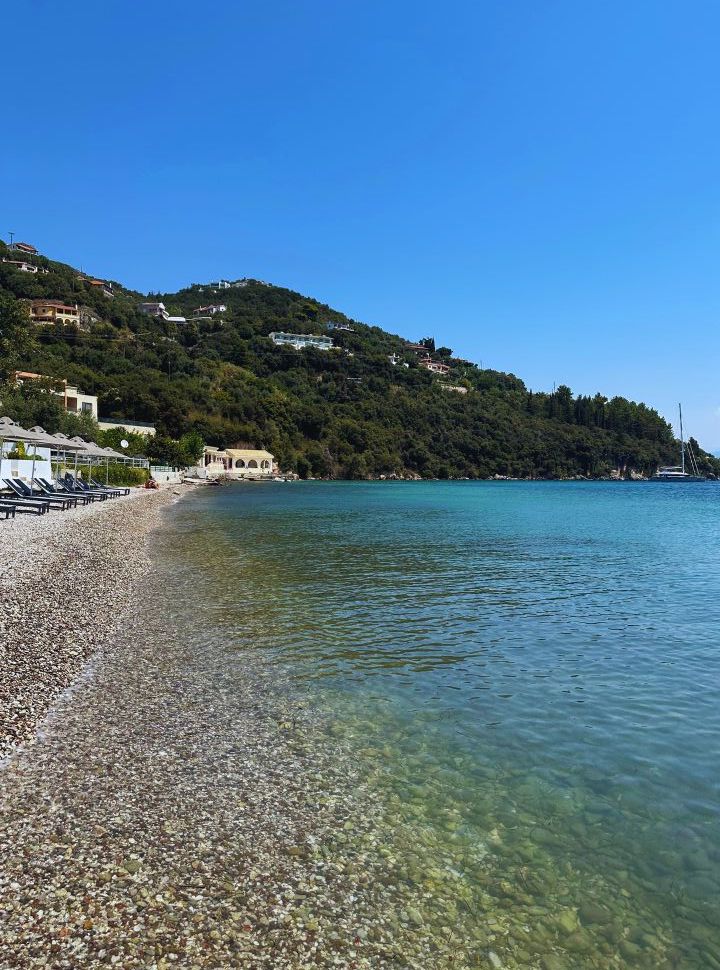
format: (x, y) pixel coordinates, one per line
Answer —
(159, 310)
(206, 312)
(237, 462)
(301, 340)
(154, 310)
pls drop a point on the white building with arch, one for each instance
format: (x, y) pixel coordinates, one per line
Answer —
(237, 462)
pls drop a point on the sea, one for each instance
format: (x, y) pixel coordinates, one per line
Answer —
(528, 675)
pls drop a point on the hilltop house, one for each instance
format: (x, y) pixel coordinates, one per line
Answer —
(154, 310)
(24, 267)
(159, 310)
(26, 248)
(206, 312)
(74, 401)
(301, 340)
(103, 286)
(237, 462)
(434, 366)
(54, 311)
(340, 326)
(396, 359)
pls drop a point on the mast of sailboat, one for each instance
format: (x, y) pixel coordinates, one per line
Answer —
(682, 441)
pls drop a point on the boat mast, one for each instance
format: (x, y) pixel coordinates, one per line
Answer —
(682, 441)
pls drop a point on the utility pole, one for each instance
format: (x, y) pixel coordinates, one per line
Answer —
(12, 236)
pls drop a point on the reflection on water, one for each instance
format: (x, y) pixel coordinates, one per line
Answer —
(529, 674)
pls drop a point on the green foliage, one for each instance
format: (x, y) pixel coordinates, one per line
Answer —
(111, 437)
(20, 451)
(344, 413)
(16, 336)
(163, 450)
(116, 474)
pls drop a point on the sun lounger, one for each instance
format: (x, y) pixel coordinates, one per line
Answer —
(18, 497)
(49, 490)
(121, 490)
(63, 488)
(38, 507)
(7, 510)
(97, 490)
(56, 502)
(73, 487)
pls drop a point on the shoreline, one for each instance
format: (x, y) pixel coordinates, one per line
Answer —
(66, 580)
(165, 805)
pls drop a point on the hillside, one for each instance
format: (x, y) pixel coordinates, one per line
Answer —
(346, 412)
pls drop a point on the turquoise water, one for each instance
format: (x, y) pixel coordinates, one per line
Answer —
(529, 674)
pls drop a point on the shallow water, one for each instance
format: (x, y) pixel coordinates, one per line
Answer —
(528, 674)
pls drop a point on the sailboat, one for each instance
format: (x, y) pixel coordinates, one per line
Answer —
(677, 473)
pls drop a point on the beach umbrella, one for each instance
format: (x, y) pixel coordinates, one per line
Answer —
(10, 431)
(64, 444)
(87, 449)
(40, 438)
(111, 453)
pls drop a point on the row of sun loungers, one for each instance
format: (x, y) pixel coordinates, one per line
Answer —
(61, 494)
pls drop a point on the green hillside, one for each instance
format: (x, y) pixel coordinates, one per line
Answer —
(347, 412)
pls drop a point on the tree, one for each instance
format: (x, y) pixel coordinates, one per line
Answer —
(17, 340)
(191, 447)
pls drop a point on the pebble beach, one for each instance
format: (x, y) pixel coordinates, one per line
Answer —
(153, 813)
(65, 580)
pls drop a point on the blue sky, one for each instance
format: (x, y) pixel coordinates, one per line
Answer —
(534, 183)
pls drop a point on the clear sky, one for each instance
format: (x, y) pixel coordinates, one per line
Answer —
(536, 183)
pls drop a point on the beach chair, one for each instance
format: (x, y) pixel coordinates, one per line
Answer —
(120, 489)
(48, 489)
(7, 510)
(56, 502)
(38, 507)
(19, 499)
(96, 489)
(62, 487)
(73, 486)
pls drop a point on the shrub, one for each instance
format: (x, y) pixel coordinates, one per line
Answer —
(117, 474)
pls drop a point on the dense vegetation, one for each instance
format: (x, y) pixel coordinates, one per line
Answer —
(348, 412)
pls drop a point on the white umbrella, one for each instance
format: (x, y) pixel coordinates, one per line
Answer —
(110, 453)
(64, 444)
(41, 438)
(89, 449)
(10, 431)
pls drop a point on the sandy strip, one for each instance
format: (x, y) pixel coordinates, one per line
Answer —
(65, 577)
